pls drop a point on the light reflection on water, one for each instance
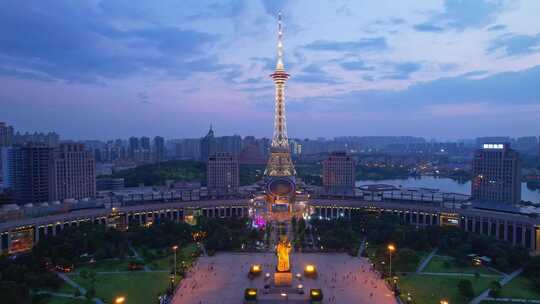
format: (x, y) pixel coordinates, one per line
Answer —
(447, 185)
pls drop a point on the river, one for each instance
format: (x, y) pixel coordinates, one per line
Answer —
(446, 185)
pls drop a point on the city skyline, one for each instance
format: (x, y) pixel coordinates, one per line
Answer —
(113, 69)
(21, 136)
(136, 149)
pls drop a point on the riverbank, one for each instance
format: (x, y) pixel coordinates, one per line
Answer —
(444, 184)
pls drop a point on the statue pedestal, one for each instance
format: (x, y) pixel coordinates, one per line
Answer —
(283, 278)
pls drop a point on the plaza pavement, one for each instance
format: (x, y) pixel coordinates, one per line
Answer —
(221, 279)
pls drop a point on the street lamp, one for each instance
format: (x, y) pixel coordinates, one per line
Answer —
(391, 248)
(443, 301)
(172, 282)
(409, 298)
(120, 300)
(174, 248)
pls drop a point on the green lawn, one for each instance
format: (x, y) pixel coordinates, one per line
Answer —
(440, 264)
(520, 288)
(64, 288)
(106, 265)
(166, 263)
(427, 289)
(129, 284)
(60, 300)
(137, 287)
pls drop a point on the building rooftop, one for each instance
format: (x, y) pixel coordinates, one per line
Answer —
(505, 207)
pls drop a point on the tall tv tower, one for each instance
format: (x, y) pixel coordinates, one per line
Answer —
(280, 162)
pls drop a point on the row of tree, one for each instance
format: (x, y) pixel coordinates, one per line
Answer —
(24, 274)
(381, 229)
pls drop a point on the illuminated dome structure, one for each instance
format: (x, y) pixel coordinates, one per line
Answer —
(281, 187)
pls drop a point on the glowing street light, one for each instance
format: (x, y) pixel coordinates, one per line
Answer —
(120, 300)
(172, 280)
(310, 271)
(255, 270)
(174, 248)
(443, 301)
(391, 248)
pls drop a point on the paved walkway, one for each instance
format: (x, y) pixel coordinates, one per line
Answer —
(75, 285)
(222, 279)
(70, 282)
(497, 271)
(426, 261)
(459, 274)
(60, 295)
(203, 249)
(505, 280)
(512, 300)
(362, 247)
(139, 258)
(128, 271)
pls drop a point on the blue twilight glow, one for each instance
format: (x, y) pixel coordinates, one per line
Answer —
(106, 69)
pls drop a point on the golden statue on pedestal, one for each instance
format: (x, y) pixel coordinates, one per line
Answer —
(283, 249)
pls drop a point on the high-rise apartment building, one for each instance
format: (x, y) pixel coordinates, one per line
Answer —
(208, 145)
(6, 138)
(229, 144)
(27, 172)
(159, 149)
(73, 173)
(6, 135)
(526, 144)
(50, 139)
(133, 147)
(339, 174)
(39, 173)
(496, 174)
(187, 148)
(296, 147)
(145, 143)
(145, 153)
(480, 141)
(222, 174)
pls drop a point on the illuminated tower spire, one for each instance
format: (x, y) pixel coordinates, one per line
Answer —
(279, 64)
(280, 163)
(280, 77)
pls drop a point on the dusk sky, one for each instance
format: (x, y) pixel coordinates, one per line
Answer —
(107, 69)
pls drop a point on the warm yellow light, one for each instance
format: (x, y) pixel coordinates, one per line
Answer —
(391, 247)
(256, 268)
(314, 292)
(252, 293)
(444, 302)
(310, 268)
(120, 300)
